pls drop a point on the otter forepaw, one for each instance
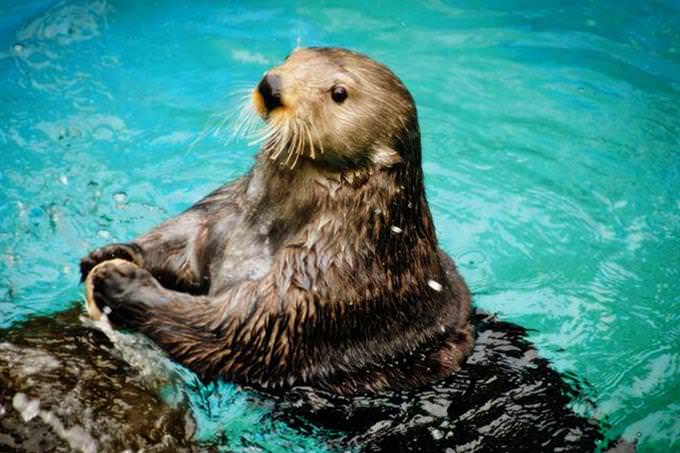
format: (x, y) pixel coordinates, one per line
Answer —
(122, 290)
(127, 252)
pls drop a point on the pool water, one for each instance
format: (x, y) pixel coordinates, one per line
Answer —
(551, 141)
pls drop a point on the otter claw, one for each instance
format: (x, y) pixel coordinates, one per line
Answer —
(127, 252)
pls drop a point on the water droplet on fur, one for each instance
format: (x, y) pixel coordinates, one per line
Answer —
(107, 310)
(434, 285)
(395, 229)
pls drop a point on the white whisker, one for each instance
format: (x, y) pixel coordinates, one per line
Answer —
(281, 142)
(266, 134)
(312, 150)
(318, 137)
(294, 150)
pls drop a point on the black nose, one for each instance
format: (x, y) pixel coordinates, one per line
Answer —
(270, 89)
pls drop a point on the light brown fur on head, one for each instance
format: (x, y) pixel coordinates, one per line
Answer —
(363, 129)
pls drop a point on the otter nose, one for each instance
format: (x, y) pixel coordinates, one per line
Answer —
(270, 89)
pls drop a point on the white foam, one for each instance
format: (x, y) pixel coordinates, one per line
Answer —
(76, 436)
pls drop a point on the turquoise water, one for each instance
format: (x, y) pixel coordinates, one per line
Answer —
(551, 138)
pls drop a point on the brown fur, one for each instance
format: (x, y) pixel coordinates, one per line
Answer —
(316, 268)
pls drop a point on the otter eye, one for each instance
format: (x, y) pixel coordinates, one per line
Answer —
(339, 94)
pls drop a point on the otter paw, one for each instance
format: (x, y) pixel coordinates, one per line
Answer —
(118, 288)
(127, 252)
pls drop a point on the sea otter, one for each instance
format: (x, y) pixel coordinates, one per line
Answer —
(320, 266)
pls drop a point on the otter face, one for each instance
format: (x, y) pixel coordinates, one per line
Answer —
(336, 107)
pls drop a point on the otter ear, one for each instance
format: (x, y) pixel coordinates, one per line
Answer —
(385, 156)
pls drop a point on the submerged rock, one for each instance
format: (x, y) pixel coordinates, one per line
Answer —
(62, 388)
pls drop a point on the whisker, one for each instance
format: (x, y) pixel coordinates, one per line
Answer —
(318, 137)
(216, 121)
(299, 143)
(268, 132)
(281, 142)
(255, 128)
(290, 153)
(292, 137)
(242, 118)
(312, 150)
(295, 144)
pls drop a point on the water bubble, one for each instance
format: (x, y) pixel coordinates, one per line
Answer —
(102, 133)
(18, 47)
(63, 179)
(109, 60)
(120, 197)
(35, 215)
(103, 234)
(472, 259)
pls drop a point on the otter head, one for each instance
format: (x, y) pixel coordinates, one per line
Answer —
(337, 108)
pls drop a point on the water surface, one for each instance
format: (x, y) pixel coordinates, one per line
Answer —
(551, 138)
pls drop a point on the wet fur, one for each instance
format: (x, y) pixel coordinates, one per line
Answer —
(325, 271)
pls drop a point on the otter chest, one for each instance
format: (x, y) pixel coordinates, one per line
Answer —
(246, 255)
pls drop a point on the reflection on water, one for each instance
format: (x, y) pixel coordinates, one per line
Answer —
(505, 398)
(550, 137)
